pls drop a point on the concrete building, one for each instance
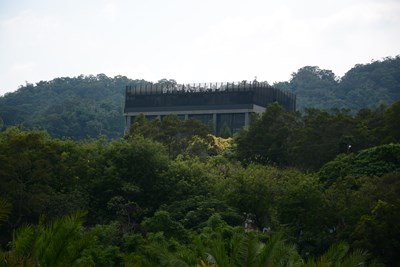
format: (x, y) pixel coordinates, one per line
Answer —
(219, 105)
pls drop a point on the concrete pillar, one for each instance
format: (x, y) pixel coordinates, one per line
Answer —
(214, 123)
(246, 119)
(127, 124)
(186, 117)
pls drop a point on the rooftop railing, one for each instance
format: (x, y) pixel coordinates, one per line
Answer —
(261, 92)
(167, 88)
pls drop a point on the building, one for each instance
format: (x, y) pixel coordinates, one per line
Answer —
(220, 105)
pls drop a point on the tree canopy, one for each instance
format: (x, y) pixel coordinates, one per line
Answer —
(310, 188)
(91, 106)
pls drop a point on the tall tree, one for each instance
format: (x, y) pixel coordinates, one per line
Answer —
(267, 138)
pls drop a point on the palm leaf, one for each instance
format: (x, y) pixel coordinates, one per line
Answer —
(61, 243)
(245, 249)
(217, 253)
(24, 241)
(357, 258)
(336, 253)
(270, 251)
(338, 256)
(5, 209)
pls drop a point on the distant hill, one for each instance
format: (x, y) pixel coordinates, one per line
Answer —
(364, 86)
(90, 106)
(79, 107)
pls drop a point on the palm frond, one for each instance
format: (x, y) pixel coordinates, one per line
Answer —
(61, 243)
(24, 241)
(338, 256)
(319, 262)
(356, 258)
(218, 254)
(245, 249)
(269, 253)
(5, 209)
(336, 253)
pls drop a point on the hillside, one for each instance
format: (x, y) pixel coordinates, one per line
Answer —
(79, 107)
(363, 86)
(90, 106)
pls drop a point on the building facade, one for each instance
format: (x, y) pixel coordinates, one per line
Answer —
(220, 105)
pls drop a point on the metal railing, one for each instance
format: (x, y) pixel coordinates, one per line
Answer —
(262, 91)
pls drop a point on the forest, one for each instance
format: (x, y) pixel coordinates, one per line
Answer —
(92, 106)
(312, 188)
(316, 187)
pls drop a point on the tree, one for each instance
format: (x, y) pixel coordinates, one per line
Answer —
(132, 170)
(314, 87)
(5, 209)
(339, 255)
(148, 129)
(246, 250)
(370, 85)
(300, 210)
(79, 107)
(391, 119)
(62, 243)
(175, 134)
(36, 172)
(321, 137)
(267, 138)
(376, 232)
(375, 161)
(162, 222)
(363, 86)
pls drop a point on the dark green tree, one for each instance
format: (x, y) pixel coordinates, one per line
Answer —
(391, 120)
(267, 139)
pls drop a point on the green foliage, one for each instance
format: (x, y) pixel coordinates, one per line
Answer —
(104, 250)
(311, 139)
(275, 199)
(339, 255)
(194, 212)
(60, 244)
(91, 106)
(321, 137)
(5, 209)
(170, 194)
(377, 232)
(363, 210)
(243, 249)
(392, 118)
(267, 138)
(363, 86)
(36, 173)
(375, 161)
(79, 107)
(274, 195)
(185, 178)
(162, 222)
(189, 137)
(130, 179)
(341, 166)
(314, 87)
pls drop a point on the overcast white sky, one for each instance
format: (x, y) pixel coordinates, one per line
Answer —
(191, 40)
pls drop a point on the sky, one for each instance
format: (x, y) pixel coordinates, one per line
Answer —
(191, 40)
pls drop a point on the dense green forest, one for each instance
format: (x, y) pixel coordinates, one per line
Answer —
(79, 107)
(317, 187)
(293, 189)
(365, 85)
(91, 106)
